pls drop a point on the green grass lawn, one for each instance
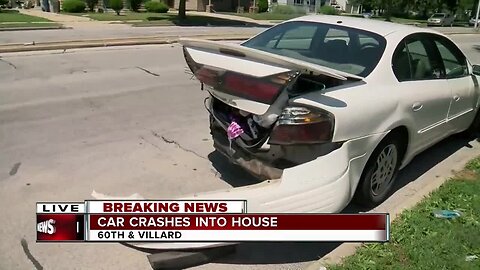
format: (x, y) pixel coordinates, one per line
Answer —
(15, 16)
(267, 16)
(14, 19)
(154, 19)
(421, 241)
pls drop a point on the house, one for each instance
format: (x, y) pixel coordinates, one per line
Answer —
(217, 5)
(313, 5)
(231, 5)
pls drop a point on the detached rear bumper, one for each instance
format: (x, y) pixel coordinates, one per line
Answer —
(324, 185)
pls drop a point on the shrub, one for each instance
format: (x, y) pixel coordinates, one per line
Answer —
(284, 9)
(74, 6)
(262, 5)
(156, 7)
(328, 10)
(3, 3)
(135, 4)
(116, 5)
(91, 4)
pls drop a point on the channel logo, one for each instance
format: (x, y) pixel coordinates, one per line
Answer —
(47, 226)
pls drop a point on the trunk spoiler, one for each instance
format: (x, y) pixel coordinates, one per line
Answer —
(237, 50)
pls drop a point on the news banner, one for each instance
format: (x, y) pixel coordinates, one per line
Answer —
(197, 221)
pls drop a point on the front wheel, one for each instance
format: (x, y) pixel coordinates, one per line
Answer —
(379, 173)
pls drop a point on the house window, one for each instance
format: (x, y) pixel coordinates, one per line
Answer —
(298, 2)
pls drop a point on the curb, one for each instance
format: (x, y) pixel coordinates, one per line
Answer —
(33, 28)
(63, 45)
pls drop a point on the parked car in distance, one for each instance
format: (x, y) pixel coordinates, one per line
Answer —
(367, 15)
(441, 19)
(472, 22)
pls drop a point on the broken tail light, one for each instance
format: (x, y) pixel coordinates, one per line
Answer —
(302, 125)
(264, 90)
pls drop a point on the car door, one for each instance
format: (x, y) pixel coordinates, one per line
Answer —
(460, 82)
(424, 94)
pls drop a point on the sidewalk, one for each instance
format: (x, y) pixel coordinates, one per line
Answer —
(70, 21)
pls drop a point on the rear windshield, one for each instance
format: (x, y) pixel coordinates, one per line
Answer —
(438, 15)
(342, 48)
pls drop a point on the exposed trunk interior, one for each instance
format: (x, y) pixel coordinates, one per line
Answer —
(252, 88)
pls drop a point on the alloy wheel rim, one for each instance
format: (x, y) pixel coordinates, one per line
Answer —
(382, 175)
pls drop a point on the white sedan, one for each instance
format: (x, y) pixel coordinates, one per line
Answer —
(328, 108)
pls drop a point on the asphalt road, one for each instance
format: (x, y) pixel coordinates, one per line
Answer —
(121, 121)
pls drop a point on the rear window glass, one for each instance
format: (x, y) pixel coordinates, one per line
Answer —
(342, 48)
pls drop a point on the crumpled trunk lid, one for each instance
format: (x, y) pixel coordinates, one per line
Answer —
(248, 79)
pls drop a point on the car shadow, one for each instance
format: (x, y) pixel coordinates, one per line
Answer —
(304, 252)
(292, 252)
(233, 174)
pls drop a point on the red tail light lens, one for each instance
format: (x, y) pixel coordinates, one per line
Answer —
(207, 76)
(302, 125)
(257, 89)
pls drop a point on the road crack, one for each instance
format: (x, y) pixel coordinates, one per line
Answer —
(149, 72)
(152, 144)
(8, 63)
(169, 141)
(29, 255)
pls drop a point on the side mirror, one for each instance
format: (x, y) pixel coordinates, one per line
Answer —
(476, 70)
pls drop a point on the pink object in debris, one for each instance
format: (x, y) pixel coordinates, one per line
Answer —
(234, 130)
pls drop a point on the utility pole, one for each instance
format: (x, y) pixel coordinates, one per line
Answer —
(476, 17)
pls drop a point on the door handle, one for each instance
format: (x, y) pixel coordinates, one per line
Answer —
(456, 98)
(417, 107)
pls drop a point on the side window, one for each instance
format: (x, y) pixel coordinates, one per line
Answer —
(415, 60)
(401, 63)
(298, 38)
(420, 63)
(453, 59)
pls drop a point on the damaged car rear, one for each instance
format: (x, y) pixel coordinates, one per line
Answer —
(325, 109)
(329, 108)
(257, 117)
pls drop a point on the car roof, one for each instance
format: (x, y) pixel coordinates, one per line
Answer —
(382, 28)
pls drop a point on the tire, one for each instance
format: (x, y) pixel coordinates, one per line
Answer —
(389, 153)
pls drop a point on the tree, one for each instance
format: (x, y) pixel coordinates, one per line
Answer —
(181, 10)
(116, 5)
(135, 4)
(387, 7)
(262, 5)
(452, 5)
(91, 4)
(3, 3)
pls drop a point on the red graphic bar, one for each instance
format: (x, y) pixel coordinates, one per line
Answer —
(239, 222)
(60, 227)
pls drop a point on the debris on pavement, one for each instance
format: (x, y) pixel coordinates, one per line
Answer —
(471, 258)
(447, 214)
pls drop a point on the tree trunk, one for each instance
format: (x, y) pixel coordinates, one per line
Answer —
(181, 10)
(388, 10)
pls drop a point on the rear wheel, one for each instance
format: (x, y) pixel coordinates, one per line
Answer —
(380, 172)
